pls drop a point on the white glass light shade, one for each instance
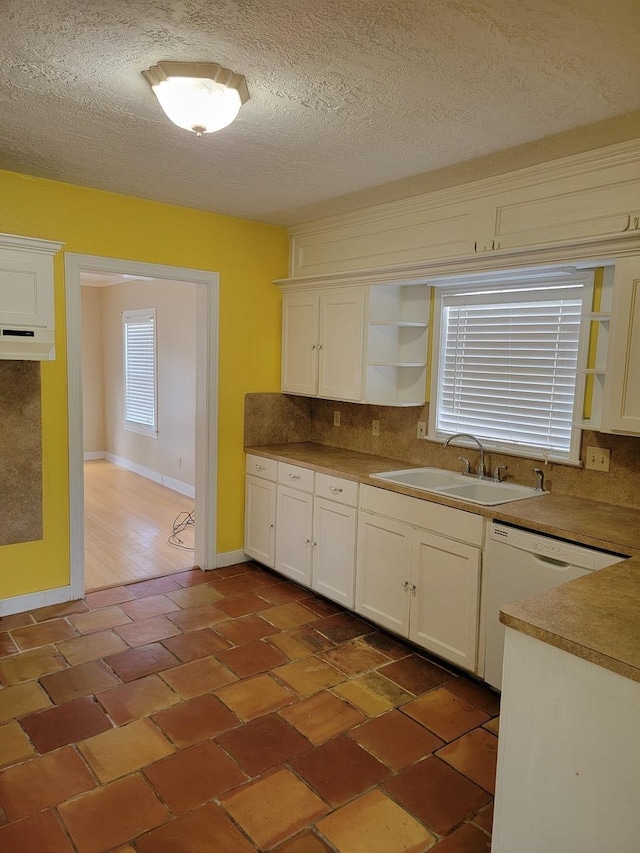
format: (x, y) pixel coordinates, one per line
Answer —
(199, 96)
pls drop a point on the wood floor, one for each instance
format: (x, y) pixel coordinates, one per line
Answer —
(127, 522)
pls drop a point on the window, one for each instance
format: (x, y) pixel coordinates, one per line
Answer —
(140, 381)
(509, 355)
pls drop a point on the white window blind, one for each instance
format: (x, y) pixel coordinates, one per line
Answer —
(508, 366)
(139, 333)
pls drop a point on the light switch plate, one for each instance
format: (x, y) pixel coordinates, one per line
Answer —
(336, 418)
(422, 429)
(375, 428)
(598, 458)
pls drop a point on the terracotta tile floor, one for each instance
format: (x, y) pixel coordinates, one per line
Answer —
(234, 712)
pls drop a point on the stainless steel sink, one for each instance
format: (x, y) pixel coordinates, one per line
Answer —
(439, 481)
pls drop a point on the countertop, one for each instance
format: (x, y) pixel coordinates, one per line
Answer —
(596, 617)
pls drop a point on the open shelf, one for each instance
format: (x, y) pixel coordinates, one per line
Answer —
(597, 316)
(401, 324)
(396, 373)
(397, 364)
(588, 423)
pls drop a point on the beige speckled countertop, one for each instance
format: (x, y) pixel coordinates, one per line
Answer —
(596, 617)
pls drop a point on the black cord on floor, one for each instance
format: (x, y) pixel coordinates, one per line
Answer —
(181, 522)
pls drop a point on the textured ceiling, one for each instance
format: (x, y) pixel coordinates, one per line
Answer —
(345, 96)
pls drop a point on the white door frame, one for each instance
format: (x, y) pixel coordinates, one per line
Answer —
(207, 302)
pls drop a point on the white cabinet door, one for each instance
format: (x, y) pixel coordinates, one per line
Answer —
(567, 211)
(293, 535)
(445, 585)
(621, 407)
(26, 289)
(334, 551)
(300, 340)
(260, 520)
(383, 571)
(341, 345)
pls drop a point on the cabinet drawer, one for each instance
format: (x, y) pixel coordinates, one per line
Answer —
(296, 477)
(337, 489)
(259, 466)
(445, 520)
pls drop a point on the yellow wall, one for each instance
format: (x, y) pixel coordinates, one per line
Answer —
(248, 255)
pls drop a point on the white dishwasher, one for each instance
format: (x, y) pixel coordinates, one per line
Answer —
(519, 564)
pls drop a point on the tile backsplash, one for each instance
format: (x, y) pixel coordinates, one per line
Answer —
(20, 452)
(280, 419)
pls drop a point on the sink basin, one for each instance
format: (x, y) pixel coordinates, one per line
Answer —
(422, 478)
(490, 493)
(439, 481)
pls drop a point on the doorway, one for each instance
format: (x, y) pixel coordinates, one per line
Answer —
(206, 285)
(138, 391)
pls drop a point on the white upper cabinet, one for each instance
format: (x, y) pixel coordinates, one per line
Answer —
(394, 236)
(575, 204)
(341, 344)
(322, 343)
(621, 407)
(300, 325)
(26, 298)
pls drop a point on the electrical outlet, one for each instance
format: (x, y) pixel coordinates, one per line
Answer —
(422, 429)
(598, 458)
(336, 418)
(179, 461)
(375, 428)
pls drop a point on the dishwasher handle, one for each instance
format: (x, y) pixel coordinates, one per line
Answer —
(550, 561)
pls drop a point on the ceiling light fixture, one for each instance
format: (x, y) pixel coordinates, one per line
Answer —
(199, 96)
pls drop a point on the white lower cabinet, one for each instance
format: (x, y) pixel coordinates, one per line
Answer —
(334, 550)
(260, 520)
(445, 585)
(293, 534)
(315, 542)
(396, 572)
(421, 585)
(384, 556)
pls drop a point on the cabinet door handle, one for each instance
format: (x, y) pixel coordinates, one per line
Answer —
(313, 544)
(261, 467)
(412, 586)
(307, 541)
(405, 584)
(319, 346)
(495, 244)
(335, 489)
(295, 477)
(313, 346)
(271, 526)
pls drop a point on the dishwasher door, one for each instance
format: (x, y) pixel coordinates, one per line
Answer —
(519, 564)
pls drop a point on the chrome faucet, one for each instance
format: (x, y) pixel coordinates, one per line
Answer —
(540, 475)
(477, 441)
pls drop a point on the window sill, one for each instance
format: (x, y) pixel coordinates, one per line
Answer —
(141, 429)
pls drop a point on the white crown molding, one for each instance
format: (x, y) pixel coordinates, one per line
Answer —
(620, 154)
(44, 247)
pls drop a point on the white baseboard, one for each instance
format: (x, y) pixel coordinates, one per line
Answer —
(162, 479)
(94, 454)
(179, 486)
(230, 558)
(34, 600)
